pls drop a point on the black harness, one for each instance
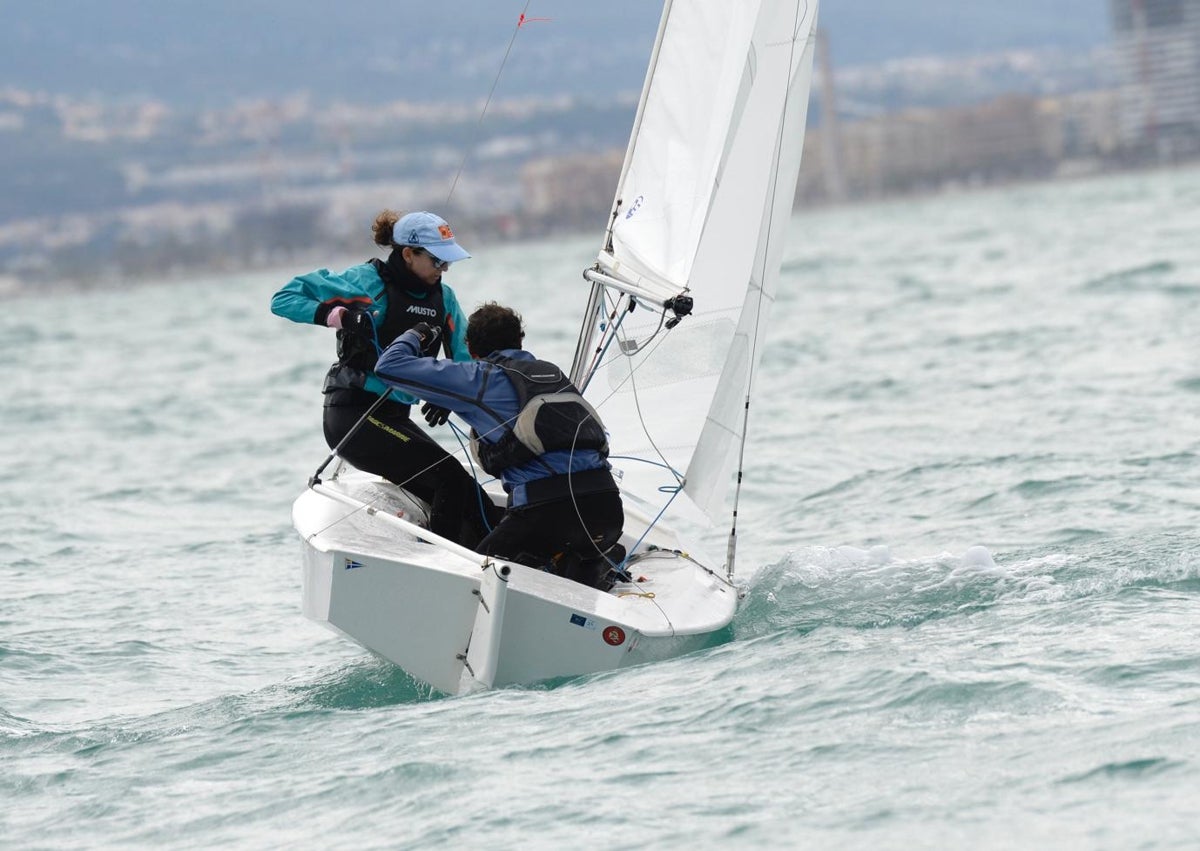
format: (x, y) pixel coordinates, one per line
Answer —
(406, 306)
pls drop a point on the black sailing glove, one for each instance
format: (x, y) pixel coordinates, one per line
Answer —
(359, 324)
(435, 415)
(428, 337)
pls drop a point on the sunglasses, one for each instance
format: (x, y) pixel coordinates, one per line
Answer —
(440, 265)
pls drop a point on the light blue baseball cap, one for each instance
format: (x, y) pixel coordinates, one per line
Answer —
(425, 230)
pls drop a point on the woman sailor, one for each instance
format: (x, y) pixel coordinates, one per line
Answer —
(370, 305)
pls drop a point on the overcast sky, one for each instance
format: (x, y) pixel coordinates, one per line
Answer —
(213, 50)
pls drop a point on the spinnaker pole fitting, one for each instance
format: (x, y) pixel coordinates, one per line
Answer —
(681, 306)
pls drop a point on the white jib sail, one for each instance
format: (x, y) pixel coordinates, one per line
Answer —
(702, 206)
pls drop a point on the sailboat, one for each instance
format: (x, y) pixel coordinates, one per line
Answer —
(671, 334)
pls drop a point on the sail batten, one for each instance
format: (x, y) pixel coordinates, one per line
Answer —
(701, 206)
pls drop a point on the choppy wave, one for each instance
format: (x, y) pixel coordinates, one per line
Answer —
(870, 588)
(967, 531)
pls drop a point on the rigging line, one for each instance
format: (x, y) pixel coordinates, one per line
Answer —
(654, 602)
(674, 473)
(637, 403)
(478, 487)
(632, 370)
(592, 313)
(645, 596)
(801, 13)
(623, 568)
(366, 506)
(616, 318)
(575, 504)
(521, 21)
(639, 460)
(662, 316)
(653, 522)
(629, 378)
(653, 552)
(608, 335)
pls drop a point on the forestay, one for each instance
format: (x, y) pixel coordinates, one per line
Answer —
(701, 209)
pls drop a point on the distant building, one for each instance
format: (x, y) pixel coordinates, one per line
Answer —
(1089, 124)
(920, 150)
(1158, 54)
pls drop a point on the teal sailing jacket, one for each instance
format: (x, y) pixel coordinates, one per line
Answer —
(307, 299)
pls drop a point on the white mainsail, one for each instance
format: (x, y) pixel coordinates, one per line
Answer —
(701, 209)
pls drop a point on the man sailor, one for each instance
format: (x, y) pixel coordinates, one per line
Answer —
(532, 429)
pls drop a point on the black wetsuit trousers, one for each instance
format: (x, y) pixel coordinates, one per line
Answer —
(391, 445)
(567, 537)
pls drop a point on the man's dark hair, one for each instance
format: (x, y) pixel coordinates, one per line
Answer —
(493, 327)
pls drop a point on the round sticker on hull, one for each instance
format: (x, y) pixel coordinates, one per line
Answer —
(614, 635)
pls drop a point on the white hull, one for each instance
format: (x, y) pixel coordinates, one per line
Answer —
(460, 622)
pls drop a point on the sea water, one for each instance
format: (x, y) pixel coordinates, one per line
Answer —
(968, 532)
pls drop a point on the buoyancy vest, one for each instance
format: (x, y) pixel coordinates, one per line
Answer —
(552, 416)
(357, 357)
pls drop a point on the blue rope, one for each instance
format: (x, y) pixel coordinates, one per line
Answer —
(647, 461)
(479, 487)
(676, 491)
